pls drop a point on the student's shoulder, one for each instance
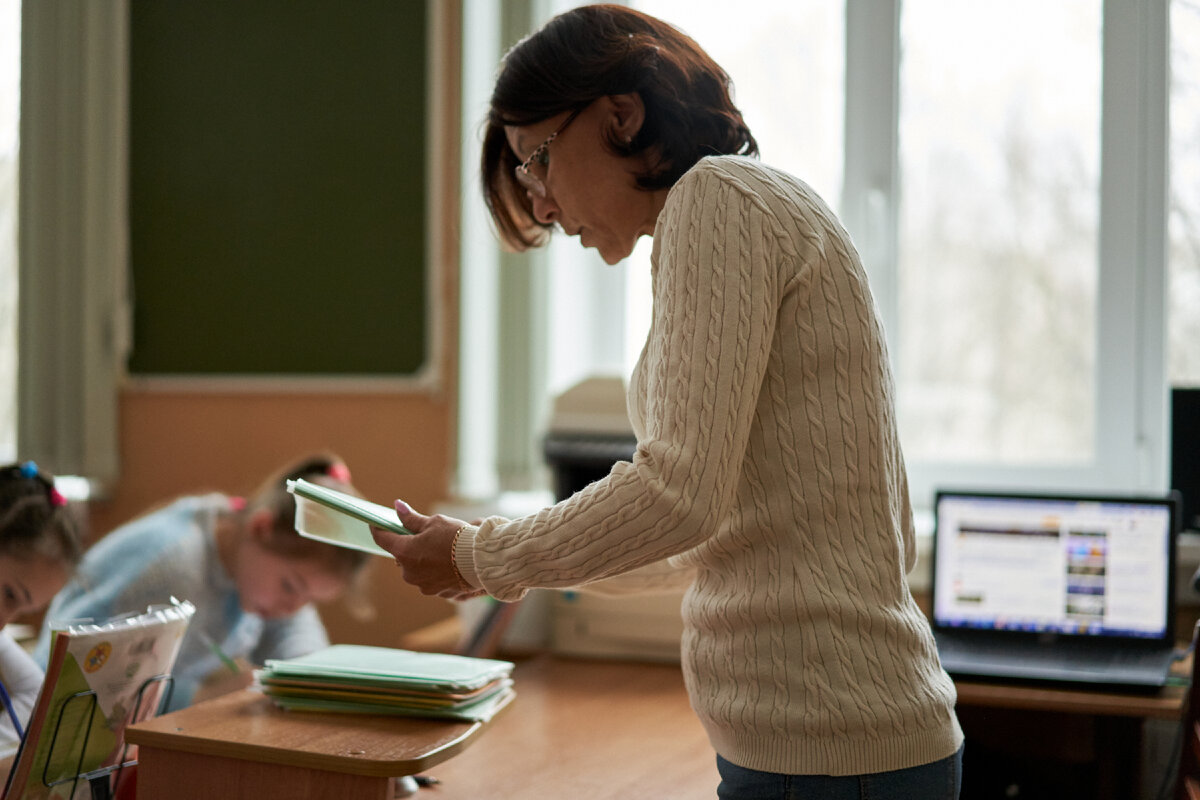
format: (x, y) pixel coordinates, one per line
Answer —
(166, 527)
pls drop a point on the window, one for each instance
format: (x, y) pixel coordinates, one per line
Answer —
(1003, 171)
(999, 126)
(1030, 264)
(10, 88)
(1184, 198)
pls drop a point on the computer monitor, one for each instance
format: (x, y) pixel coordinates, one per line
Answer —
(1185, 452)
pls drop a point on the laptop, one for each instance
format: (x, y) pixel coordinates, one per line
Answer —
(1064, 588)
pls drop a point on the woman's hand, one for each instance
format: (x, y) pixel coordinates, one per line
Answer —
(424, 557)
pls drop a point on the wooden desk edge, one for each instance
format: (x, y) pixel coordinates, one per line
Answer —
(1166, 704)
(145, 734)
(266, 754)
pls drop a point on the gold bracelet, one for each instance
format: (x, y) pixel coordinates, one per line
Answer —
(462, 582)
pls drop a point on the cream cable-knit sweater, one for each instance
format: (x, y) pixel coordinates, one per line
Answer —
(769, 478)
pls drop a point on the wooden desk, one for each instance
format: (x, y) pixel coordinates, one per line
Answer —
(595, 729)
(577, 728)
(1167, 704)
(241, 746)
(1043, 741)
(600, 730)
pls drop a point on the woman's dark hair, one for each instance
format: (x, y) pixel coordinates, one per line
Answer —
(35, 520)
(596, 51)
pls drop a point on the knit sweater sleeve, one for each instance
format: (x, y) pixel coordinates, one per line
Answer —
(668, 576)
(699, 377)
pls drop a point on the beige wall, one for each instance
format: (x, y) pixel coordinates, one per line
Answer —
(397, 445)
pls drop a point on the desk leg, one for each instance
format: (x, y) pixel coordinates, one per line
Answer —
(188, 776)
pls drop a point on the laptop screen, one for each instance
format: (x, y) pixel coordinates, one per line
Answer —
(1099, 566)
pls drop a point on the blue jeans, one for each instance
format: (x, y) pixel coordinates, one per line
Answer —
(940, 780)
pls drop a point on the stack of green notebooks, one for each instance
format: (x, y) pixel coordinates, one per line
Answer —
(380, 680)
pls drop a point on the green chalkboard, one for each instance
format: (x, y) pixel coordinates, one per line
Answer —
(277, 187)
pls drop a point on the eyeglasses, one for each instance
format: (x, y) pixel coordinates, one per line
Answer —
(541, 157)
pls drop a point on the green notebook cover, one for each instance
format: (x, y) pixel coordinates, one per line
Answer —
(341, 519)
(285, 684)
(381, 699)
(391, 666)
(481, 711)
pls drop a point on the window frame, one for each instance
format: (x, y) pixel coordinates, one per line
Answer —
(1131, 393)
(1131, 389)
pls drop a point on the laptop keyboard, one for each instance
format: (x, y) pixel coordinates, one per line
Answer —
(1060, 658)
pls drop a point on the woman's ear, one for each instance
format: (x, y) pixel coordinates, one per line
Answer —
(626, 114)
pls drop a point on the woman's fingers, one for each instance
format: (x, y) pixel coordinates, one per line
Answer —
(389, 540)
(425, 556)
(409, 518)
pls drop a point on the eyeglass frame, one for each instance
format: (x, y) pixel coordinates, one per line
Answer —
(527, 179)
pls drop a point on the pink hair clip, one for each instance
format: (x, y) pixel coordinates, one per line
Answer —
(237, 503)
(339, 472)
(56, 498)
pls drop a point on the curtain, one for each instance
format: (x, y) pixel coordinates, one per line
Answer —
(74, 312)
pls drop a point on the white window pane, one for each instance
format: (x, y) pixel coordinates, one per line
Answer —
(999, 154)
(787, 62)
(1183, 297)
(10, 70)
(786, 59)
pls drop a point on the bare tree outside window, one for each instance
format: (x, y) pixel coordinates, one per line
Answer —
(999, 155)
(1183, 357)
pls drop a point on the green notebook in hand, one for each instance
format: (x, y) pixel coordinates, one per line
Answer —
(341, 519)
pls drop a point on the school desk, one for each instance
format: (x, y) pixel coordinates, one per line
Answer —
(577, 728)
(242, 747)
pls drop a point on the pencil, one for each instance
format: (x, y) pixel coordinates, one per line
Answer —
(226, 660)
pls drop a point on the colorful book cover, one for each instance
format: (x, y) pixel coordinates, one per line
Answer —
(99, 679)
